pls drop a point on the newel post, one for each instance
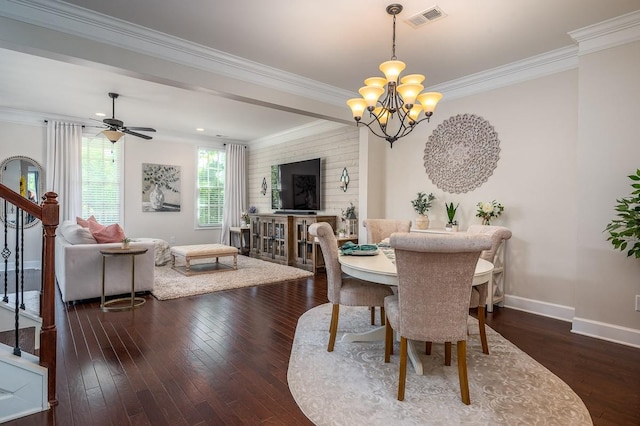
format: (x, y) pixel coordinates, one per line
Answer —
(49, 334)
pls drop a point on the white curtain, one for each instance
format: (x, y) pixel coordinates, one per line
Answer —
(235, 191)
(64, 166)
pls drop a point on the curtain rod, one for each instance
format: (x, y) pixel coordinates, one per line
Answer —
(46, 121)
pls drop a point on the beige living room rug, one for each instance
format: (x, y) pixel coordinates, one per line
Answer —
(353, 386)
(169, 284)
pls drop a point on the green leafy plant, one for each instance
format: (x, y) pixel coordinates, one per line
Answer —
(451, 212)
(422, 204)
(349, 212)
(624, 231)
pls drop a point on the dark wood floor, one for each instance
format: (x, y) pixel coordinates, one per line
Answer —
(221, 359)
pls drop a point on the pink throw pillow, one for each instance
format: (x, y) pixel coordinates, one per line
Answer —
(106, 234)
(85, 222)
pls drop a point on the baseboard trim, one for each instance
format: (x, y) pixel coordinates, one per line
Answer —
(609, 332)
(30, 264)
(546, 309)
(598, 330)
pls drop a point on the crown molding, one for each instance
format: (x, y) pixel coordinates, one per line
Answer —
(80, 22)
(607, 34)
(559, 60)
(69, 19)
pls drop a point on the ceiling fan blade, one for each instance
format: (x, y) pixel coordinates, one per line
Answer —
(142, 129)
(140, 135)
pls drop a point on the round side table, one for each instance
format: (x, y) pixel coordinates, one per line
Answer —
(132, 301)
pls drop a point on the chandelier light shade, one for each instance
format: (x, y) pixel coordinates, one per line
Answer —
(112, 135)
(394, 109)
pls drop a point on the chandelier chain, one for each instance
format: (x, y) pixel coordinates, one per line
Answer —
(393, 47)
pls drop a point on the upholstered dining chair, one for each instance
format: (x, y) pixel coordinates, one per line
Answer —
(435, 273)
(496, 255)
(343, 290)
(378, 230)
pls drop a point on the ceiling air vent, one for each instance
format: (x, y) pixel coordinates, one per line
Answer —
(426, 16)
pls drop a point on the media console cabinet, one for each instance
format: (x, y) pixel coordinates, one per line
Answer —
(285, 238)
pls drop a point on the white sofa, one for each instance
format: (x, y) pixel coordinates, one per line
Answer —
(79, 266)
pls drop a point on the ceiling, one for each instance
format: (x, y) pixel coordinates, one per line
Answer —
(334, 42)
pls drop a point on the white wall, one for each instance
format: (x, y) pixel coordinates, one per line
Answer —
(608, 151)
(535, 180)
(568, 141)
(26, 141)
(178, 228)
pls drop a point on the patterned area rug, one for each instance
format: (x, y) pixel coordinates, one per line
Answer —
(169, 284)
(353, 385)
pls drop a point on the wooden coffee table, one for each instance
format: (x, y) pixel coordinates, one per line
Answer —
(203, 251)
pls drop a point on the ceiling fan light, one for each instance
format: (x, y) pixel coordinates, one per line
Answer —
(392, 70)
(112, 135)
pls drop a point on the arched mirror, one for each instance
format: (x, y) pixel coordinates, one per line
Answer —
(25, 176)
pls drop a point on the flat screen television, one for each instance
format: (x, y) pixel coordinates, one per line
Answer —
(296, 187)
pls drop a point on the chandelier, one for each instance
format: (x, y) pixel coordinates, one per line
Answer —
(395, 113)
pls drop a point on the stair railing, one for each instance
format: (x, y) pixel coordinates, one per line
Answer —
(48, 214)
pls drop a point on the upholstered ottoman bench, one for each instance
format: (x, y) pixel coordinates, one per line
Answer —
(203, 251)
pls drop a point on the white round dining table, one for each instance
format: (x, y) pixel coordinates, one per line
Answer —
(381, 269)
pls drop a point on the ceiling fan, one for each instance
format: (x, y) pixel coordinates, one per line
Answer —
(116, 128)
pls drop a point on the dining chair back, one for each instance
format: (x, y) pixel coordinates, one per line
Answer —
(343, 290)
(496, 254)
(379, 229)
(435, 273)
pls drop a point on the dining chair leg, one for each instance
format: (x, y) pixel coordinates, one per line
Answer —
(483, 331)
(403, 368)
(382, 315)
(462, 371)
(333, 329)
(427, 348)
(447, 353)
(372, 309)
(388, 342)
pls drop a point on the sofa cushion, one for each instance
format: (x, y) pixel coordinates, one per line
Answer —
(106, 234)
(85, 222)
(75, 234)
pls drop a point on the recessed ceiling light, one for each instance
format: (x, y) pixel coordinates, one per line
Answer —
(200, 129)
(101, 114)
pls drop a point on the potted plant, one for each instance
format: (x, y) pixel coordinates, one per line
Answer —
(421, 205)
(125, 242)
(486, 211)
(624, 231)
(244, 219)
(452, 225)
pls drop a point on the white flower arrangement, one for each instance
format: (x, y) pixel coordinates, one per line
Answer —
(488, 210)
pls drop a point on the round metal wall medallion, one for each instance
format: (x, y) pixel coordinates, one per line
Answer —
(461, 153)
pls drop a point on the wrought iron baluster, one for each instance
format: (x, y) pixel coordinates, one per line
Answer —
(5, 253)
(21, 262)
(16, 348)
